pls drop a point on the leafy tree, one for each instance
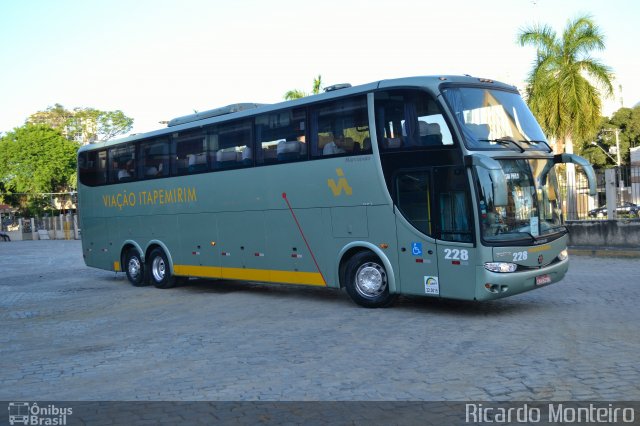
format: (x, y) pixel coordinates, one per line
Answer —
(595, 150)
(35, 158)
(627, 120)
(56, 117)
(566, 83)
(84, 125)
(297, 94)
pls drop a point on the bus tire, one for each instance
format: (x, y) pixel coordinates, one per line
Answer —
(367, 282)
(134, 267)
(159, 271)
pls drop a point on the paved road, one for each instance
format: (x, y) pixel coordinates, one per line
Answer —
(74, 333)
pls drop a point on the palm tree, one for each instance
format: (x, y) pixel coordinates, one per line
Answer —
(294, 94)
(317, 84)
(564, 86)
(297, 94)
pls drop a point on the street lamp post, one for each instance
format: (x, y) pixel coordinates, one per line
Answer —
(616, 160)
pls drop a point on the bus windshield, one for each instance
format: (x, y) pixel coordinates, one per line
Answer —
(533, 207)
(495, 119)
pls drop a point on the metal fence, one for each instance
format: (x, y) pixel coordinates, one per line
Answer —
(9, 222)
(45, 227)
(579, 205)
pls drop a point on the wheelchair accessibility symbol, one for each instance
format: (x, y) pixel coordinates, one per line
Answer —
(416, 249)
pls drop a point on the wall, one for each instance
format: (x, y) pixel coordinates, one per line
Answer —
(605, 233)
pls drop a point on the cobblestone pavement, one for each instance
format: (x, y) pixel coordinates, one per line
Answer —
(74, 333)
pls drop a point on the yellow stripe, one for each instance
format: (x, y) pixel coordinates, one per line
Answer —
(266, 275)
(539, 248)
(116, 266)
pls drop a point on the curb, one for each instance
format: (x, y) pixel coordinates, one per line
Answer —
(605, 252)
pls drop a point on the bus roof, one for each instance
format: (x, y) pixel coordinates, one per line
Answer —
(240, 110)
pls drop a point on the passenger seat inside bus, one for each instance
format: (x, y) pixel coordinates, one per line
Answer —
(430, 134)
(197, 162)
(288, 150)
(366, 144)
(269, 155)
(226, 157)
(245, 156)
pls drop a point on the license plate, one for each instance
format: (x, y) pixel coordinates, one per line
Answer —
(543, 279)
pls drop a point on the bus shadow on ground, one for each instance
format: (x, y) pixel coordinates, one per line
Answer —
(469, 308)
(332, 295)
(221, 286)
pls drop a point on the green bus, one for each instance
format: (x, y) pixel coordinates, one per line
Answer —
(439, 186)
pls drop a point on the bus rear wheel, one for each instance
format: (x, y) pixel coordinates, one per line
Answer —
(367, 282)
(134, 268)
(159, 271)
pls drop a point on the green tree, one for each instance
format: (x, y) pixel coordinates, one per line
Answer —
(566, 84)
(56, 117)
(35, 158)
(627, 120)
(297, 94)
(85, 125)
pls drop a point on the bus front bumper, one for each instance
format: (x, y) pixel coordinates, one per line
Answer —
(494, 285)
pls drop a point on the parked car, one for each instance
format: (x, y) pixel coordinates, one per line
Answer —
(626, 209)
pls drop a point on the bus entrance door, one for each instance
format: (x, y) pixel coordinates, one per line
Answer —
(418, 262)
(456, 263)
(414, 222)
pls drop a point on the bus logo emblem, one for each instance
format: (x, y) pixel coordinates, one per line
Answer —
(342, 184)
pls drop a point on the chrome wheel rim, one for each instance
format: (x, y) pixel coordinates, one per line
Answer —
(158, 269)
(134, 267)
(371, 280)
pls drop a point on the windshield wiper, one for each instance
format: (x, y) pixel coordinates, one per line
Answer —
(531, 142)
(503, 141)
(502, 234)
(555, 228)
(534, 239)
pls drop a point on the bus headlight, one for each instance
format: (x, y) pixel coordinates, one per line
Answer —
(564, 254)
(500, 266)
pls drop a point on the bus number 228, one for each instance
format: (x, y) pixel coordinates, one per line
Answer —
(455, 254)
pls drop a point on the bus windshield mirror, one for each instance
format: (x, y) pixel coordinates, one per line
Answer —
(582, 162)
(498, 185)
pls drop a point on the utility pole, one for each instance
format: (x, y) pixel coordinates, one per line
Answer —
(619, 163)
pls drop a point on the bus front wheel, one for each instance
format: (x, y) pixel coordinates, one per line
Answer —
(135, 268)
(367, 282)
(159, 271)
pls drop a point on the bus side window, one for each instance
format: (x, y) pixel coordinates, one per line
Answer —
(190, 153)
(340, 128)
(231, 145)
(93, 168)
(407, 119)
(122, 163)
(154, 158)
(280, 136)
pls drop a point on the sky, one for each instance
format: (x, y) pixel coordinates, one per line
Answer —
(159, 59)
